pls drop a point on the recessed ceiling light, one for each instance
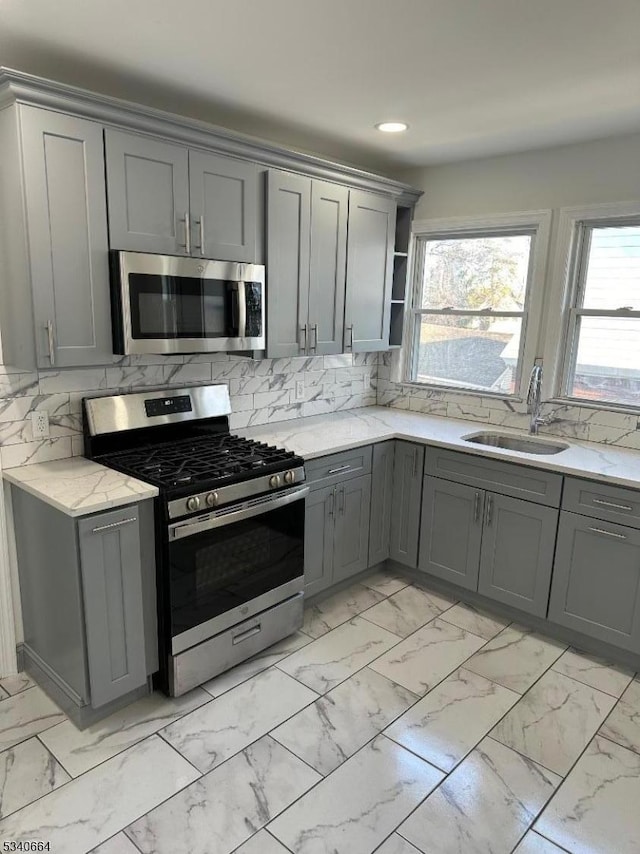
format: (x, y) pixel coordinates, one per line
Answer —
(392, 127)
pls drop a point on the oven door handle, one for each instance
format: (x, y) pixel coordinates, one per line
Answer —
(180, 530)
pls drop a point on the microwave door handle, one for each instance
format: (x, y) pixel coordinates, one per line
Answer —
(242, 310)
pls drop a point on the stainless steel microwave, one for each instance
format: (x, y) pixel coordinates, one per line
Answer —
(171, 304)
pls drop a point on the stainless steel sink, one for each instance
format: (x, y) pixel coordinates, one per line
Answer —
(524, 444)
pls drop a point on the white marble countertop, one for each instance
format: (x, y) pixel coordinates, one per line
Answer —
(339, 431)
(78, 486)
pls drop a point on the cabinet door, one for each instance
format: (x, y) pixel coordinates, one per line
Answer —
(224, 206)
(112, 593)
(381, 502)
(517, 553)
(329, 208)
(148, 191)
(407, 492)
(351, 538)
(288, 224)
(63, 161)
(451, 531)
(318, 539)
(596, 580)
(372, 222)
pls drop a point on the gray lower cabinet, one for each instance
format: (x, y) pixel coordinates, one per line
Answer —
(372, 222)
(518, 543)
(406, 499)
(351, 538)
(596, 580)
(336, 532)
(55, 306)
(111, 570)
(148, 191)
(168, 199)
(451, 531)
(381, 501)
(318, 539)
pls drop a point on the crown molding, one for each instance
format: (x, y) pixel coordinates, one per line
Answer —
(17, 87)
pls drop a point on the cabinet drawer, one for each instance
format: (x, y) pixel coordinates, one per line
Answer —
(337, 467)
(506, 478)
(613, 503)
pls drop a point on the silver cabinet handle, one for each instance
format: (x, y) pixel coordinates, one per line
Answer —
(314, 329)
(338, 468)
(415, 462)
(246, 634)
(349, 346)
(476, 507)
(342, 501)
(489, 509)
(303, 343)
(187, 233)
(51, 341)
(114, 525)
(332, 501)
(202, 235)
(608, 533)
(611, 504)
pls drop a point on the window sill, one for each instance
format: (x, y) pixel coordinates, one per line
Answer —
(469, 392)
(588, 404)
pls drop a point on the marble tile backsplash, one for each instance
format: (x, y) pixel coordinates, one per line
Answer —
(571, 422)
(261, 391)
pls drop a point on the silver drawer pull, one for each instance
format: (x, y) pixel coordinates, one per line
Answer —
(114, 525)
(51, 342)
(611, 504)
(608, 533)
(248, 633)
(338, 468)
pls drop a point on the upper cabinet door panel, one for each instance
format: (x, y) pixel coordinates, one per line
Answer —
(63, 161)
(148, 191)
(224, 206)
(329, 212)
(372, 221)
(288, 226)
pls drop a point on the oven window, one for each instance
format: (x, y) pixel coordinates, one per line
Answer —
(218, 570)
(181, 307)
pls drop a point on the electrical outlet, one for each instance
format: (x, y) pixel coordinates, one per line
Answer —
(299, 389)
(40, 424)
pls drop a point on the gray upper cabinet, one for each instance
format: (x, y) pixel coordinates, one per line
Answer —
(451, 531)
(381, 502)
(517, 553)
(148, 191)
(318, 539)
(372, 221)
(66, 220)
(327, 275)
(288, 224)
(112, 593)
(352, 509)
(223, 205)
(407, 493)
(596, 580)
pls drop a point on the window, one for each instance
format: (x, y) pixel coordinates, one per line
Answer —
(470, 322)
(601, 362)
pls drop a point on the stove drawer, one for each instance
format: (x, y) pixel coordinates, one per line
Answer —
(212, 657)
(338, 467)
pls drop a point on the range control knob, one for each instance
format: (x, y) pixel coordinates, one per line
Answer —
(274, 481)
(212, 499)
(193, 503)
(289, 476)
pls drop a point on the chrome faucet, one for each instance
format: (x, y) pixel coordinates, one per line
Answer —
(534, 399)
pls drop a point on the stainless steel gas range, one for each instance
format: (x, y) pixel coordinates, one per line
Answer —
(229, 525)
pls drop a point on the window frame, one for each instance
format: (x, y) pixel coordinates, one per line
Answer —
(538, 224)
(568, 284)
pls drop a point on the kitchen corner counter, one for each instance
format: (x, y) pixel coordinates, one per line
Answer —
(78, 486)
(319, 435)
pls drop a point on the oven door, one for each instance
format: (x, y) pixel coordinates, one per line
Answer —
(170, 304)
(229, 564)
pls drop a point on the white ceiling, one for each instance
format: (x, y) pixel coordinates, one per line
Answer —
(471, 77)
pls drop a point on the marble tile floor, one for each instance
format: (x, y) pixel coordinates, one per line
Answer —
(397, 721)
